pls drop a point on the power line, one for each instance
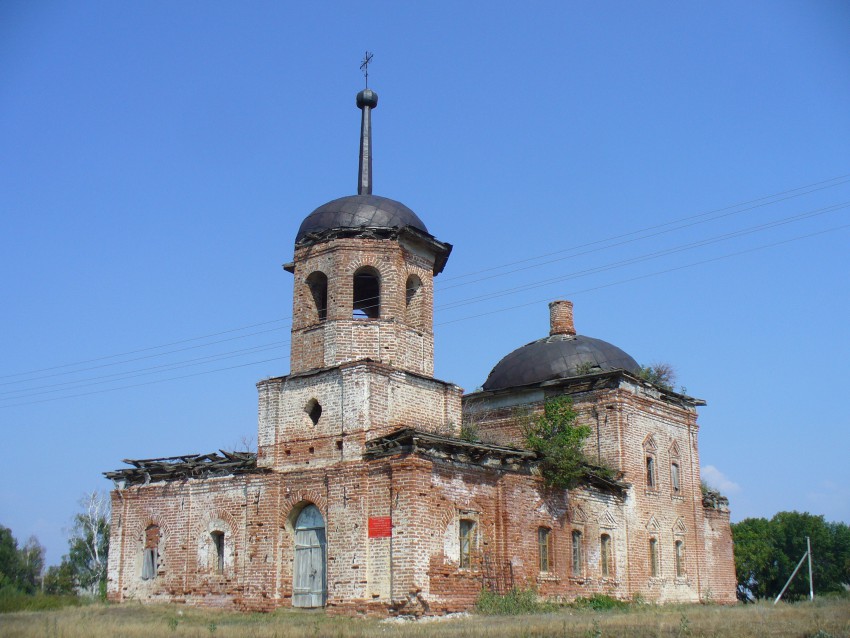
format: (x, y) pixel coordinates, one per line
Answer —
(449, 306)
(123, 354)
(136, 385)
(646, 257)
(756, 203)
(499, 310)
(149, 356)
(612, 245)
(817, 186)
(129, 374)
(647, 275)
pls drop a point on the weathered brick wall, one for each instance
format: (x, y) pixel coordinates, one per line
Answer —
(359, 400)
(403, 335)
(629, 423)
(257, 514)
(508, 510)
(416, 570)
(186, 514)
(499, 418)
(720, 580)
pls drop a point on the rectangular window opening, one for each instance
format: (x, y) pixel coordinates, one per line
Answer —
(650, 472)
(467, 542)
(543, 541)
(149, 560)
(577, 553)
(674, 477)
(218, 543)
(150, 554)
(653, 557)
(605, 555)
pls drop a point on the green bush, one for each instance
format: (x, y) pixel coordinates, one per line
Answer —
(12, 599)
(514, 603)
(661, 374)
(559, 439)
(599, 602)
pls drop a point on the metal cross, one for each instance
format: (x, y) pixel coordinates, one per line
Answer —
(364, 66)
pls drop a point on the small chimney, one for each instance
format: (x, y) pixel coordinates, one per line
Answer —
(561, 318)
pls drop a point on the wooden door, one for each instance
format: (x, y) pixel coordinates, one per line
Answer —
(309, 587)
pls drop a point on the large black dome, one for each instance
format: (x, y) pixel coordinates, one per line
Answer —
(359, 211)
(557, 357)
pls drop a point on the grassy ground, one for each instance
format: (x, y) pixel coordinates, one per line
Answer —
(831, 617)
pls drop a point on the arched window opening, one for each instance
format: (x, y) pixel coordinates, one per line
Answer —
(314, 410)
(413, 289)
(544, 545)
(680, 559)
(413, 298)
(150, 555)
(218, 546)
(674, 478)
(367, 294)
(653, 557)
(467, 541)
(577, 553)
(317, 282)
(651, 482)
(605, 555)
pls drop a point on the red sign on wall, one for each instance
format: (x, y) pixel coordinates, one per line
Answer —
(380, 527)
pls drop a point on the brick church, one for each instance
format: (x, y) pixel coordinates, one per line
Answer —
(364, 497)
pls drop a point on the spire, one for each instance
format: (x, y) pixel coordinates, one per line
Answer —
(367, 100)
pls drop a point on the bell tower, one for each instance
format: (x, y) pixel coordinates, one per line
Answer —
(364, 267)
(362, 360)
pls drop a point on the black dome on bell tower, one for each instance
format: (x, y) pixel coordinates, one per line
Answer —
(363, 211)
(359, 212)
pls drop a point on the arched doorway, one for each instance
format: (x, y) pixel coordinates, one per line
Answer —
(309, 587)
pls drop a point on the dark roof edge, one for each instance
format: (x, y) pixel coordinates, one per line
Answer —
(591, 380)
(356, 362)
(441, 250)
(486, 455)
(179, 468)
(411, 437)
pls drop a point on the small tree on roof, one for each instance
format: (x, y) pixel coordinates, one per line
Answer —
(559, 439)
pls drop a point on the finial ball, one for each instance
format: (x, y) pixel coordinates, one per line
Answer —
(367, 97)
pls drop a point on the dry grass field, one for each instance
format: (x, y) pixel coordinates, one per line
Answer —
(829, 616)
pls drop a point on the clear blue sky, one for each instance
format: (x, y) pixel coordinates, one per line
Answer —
(156, 160)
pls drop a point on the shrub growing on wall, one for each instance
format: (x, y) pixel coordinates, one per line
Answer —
(559, 439)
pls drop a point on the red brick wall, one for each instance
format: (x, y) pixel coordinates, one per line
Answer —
(403, 335)
(719, 552)
(629, 422)
(360, 401)
(417, 569)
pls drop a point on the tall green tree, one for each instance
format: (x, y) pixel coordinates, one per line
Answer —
(8, 558)
(754, 556)
(20, 568)
(31, 565)
(766, 553)
(60, 579)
